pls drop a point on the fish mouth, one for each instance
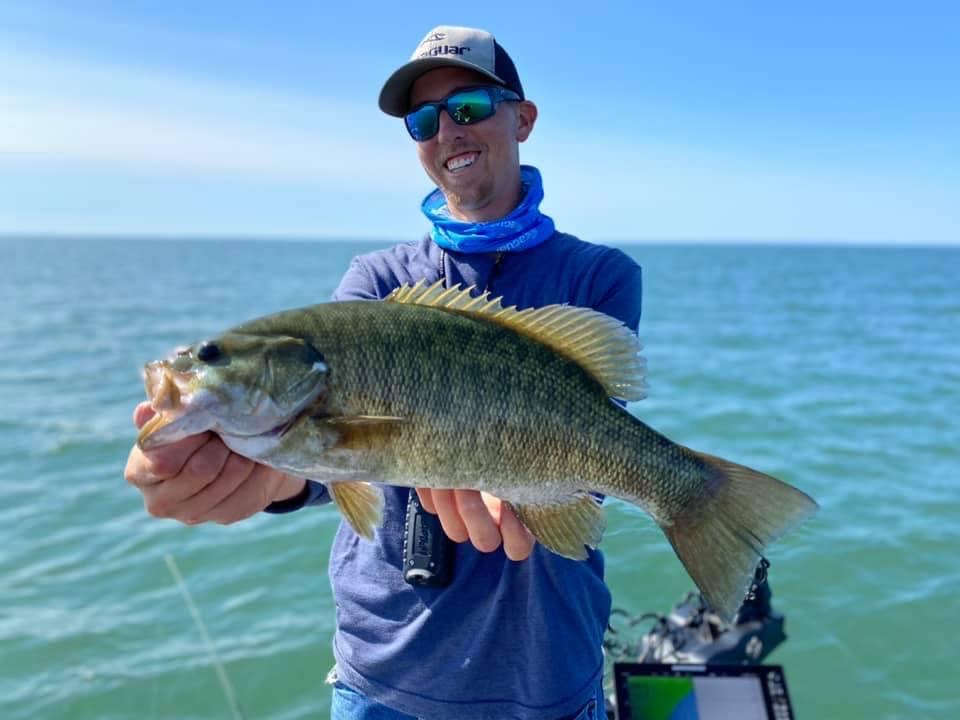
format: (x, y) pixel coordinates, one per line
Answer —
(150, 435)
(184, 407)
(164, 386)
(169, 394)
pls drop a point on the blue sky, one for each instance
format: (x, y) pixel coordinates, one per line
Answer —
(692, 121)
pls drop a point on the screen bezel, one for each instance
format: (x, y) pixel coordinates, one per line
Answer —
(622, 672)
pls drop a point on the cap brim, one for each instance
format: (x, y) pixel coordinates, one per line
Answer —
(395, 95)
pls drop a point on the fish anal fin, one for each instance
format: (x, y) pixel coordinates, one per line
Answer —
(568, 527)
(361, 504)
(604, 347)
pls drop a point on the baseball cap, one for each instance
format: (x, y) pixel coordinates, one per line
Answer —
(450, 46)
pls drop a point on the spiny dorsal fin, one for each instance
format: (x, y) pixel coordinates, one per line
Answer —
(600, 344)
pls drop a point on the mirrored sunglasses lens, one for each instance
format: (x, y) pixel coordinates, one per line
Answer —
(422, 123)
(470, 106)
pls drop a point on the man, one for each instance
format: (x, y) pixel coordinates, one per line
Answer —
(517, 632)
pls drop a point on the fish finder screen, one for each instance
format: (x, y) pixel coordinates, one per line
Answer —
(696, 698)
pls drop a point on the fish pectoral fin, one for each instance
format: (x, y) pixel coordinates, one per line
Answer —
(359, 420)
(361, 504)
(568, 527)
(357, 432)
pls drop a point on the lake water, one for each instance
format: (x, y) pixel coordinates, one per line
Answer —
(837, 369)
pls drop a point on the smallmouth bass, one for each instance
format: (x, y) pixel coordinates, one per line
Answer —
(436, 388)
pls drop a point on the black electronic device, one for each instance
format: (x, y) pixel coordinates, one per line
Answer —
(428, 554)
(654, 691)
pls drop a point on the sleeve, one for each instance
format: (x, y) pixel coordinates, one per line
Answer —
(356, 284)
(621, 293)
(313, 493)
(621, 296)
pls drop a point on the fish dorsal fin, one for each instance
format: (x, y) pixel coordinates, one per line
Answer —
(603, 346)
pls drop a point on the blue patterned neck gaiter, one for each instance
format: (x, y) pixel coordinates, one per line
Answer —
(524, 228)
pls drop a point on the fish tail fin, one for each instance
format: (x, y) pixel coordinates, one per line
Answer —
(721, 537)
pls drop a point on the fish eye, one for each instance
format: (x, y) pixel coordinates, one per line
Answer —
(208, 352)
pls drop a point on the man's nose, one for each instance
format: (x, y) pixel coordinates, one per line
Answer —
(448, 130)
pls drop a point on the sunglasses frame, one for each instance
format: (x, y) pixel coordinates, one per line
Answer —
(496, 94)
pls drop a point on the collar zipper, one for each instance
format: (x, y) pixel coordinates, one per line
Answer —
(496, 264)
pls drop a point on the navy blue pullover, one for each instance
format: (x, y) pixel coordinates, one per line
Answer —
(505, 639)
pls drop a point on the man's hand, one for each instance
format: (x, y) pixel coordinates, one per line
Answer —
(480, 518)
(198, 479)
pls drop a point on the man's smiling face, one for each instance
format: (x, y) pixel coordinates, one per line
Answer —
(476, 166)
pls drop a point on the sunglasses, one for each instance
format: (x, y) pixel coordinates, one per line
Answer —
(465, 107)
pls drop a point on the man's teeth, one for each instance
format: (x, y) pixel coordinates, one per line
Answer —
(461, 161)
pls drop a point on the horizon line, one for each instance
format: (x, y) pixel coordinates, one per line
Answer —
(370, 240)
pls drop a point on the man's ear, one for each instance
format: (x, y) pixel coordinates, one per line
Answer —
(526, 119)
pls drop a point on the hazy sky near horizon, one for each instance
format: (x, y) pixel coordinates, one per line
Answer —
(694, 120)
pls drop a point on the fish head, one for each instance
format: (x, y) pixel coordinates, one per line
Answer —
(236, 384)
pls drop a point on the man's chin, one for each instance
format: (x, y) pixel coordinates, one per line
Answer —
(465, 199)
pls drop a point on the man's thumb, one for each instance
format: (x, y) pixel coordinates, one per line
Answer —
(142, 413)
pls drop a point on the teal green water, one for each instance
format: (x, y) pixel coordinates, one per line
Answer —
(837, 369)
